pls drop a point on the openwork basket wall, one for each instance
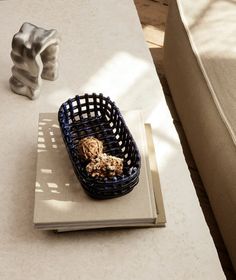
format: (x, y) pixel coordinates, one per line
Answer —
(96, 115)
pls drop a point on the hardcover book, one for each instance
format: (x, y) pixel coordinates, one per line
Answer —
(61, 203)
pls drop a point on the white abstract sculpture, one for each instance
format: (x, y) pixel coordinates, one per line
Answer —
(35, 54)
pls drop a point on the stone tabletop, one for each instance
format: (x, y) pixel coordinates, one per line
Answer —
(102, 50)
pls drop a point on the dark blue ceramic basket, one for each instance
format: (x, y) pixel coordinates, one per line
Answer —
(96, 115)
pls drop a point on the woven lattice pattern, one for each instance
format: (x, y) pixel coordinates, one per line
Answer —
(97, 116)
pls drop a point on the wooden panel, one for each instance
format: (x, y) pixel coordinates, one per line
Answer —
(153, 16)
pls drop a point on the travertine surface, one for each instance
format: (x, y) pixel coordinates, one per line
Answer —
(103, 50)
(34, 54)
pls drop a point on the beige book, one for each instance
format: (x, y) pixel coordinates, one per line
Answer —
(60, 201)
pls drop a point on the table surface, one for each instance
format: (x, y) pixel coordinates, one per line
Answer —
(102, 50)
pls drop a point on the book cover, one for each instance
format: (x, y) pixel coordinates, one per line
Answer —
(61, 203)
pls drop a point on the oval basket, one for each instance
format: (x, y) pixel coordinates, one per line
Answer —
(96, 115)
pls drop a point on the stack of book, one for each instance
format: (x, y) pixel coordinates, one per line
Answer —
(61, 203)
